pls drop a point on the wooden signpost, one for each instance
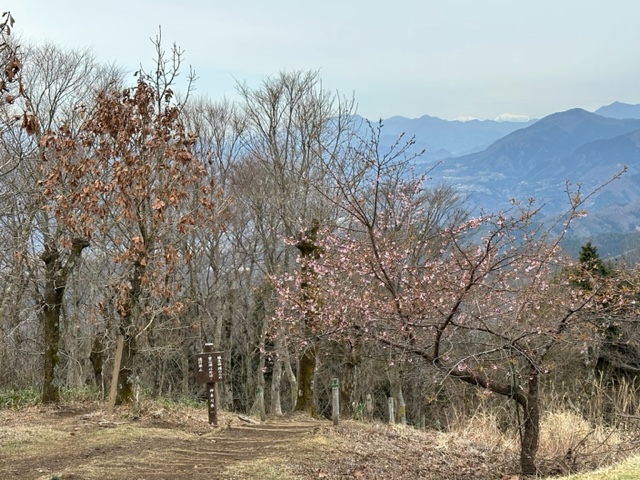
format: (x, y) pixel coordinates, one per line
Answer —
(210, 371)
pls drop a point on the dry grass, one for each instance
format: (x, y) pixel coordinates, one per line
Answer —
(483, 427)
(376, 450)
(477, 446)
(568, 442)
(573, 444)
(287, 464)
(626, 470)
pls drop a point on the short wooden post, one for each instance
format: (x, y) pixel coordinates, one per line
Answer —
(261, 408)
(368, 407)
(335, 400)
(402, 410)
(114, 378)
(392, 411)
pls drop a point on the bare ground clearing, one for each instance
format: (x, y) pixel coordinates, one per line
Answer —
(76, 442)
(79, 442)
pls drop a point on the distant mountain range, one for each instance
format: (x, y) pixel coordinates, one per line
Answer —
(445, 138)
(537, 159)
(619, 110)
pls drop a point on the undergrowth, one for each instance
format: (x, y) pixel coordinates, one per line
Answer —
(14, 399)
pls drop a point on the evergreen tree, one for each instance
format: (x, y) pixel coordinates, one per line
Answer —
(589, 267)
(590, 260)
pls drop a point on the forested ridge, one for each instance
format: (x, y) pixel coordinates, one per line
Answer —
(275, 229)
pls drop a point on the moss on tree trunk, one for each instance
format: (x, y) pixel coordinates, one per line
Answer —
(309, 250)
(305, 401)
(56, 274)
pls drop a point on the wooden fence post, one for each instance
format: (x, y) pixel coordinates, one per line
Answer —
(402, 409)
(392, 411)
(368, 408)
(335, 400)
(114, 377)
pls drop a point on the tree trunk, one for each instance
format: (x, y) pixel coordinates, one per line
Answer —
(531, 427)
(530, 403)
(128, 312)
(126, 379)
(96, 357)
(305, 401)
(402, 407)
(293, 381)
(276, 379)
(309, 251)
(348, 395)
(51, 314)
(56, 275)
(347, 390)
(258, 404)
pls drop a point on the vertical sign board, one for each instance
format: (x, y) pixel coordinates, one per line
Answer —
(209, 371)
(209, 367)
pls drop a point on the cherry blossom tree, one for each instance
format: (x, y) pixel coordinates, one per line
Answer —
(480, 299)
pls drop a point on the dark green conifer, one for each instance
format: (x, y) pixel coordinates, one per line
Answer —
(590, 260)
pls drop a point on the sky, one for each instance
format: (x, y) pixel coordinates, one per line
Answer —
(454, 59)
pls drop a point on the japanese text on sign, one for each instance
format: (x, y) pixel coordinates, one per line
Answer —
(210, 368)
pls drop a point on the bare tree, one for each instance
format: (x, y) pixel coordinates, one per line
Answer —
(53, 83)
(220, 277)
(295, 128)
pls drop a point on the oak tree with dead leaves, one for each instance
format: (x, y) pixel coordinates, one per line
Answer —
(40, 255)
(129, 178)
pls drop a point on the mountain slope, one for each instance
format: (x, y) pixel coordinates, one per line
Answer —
(538, 160)
(445, 138)
(619, 110)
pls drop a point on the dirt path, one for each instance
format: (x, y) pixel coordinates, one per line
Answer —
(67, 443)
(156, 441)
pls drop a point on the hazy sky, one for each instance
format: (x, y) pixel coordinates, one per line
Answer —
(446, 58)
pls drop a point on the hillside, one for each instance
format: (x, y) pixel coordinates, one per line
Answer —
(81, 442)
(575, 146)
(493, 162)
